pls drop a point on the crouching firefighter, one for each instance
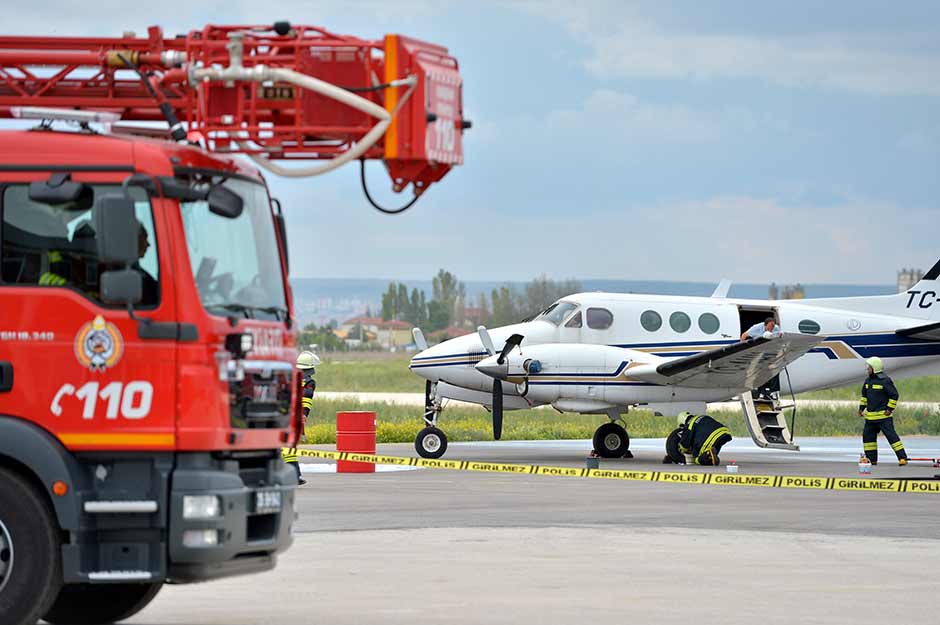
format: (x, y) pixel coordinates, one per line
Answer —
(879, 400)
(306, 363)
(699, 436)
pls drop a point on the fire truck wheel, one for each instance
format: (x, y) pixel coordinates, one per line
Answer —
(611, 441)
(98, 604)
(30, 563)
(431, 443)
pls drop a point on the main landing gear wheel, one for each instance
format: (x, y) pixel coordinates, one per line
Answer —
(612, 441)
(431, 442)
(98, 604)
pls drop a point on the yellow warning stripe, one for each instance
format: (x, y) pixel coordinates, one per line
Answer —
(674, 477)
(116, 440)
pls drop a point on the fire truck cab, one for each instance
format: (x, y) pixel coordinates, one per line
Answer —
(147, 339)
(146, 373)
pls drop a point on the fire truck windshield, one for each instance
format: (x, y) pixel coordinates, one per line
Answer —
(235, 261)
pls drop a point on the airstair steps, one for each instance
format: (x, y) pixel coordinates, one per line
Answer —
(767, 423)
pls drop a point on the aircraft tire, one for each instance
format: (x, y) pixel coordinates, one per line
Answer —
(431, 443)
(611, 441)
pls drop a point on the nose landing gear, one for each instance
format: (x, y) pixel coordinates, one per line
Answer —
(431, 442)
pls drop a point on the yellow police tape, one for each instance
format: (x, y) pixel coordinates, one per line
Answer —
(721, 479)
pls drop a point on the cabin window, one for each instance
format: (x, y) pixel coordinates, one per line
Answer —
(680, 322)
(808, 326)
(599, 318)
(575, 321)
(708, 323)
(651, 321)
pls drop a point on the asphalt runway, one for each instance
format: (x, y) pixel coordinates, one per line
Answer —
(435, 546)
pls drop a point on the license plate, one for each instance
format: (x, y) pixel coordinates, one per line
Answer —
(267, 501)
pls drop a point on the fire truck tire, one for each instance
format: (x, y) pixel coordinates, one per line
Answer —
(431, 443)
(30, 561)
(99, 604)
(611, 441)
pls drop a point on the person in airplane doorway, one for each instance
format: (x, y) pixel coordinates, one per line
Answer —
(879, 400)
(700, 436)
(306, 362)
(767, 328)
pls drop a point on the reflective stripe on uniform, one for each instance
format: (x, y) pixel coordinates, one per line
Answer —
(892, 404)
(863, 401)
(878, 386)
(307, 402)
(289, 455)
(870, 446)
(897, 446)
(710, 441)
(874, 416)
(51, 279)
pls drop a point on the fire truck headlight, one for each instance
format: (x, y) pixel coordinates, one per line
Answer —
(201, 507)
(200, 538)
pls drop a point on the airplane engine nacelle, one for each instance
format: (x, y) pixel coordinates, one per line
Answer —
(574, 374)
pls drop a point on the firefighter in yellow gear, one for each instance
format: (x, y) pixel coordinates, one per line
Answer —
(878, 402)
(700, 436)
(306, 363)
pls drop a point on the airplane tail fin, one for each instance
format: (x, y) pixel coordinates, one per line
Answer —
(921, 301)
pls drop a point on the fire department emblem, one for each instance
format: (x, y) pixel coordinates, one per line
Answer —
(99, 344)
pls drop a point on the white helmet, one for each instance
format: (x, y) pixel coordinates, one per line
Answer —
(307, 360)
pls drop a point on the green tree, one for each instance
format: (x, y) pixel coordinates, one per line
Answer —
(389, 302)
(401, 301)
(438, 316)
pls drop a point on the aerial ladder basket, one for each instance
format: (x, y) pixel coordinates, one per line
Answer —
(276, 93)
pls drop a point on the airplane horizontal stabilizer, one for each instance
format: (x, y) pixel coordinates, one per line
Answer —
(929, 332)
(743, 366)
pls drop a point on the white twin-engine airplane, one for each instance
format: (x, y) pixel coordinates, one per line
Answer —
(603, 353)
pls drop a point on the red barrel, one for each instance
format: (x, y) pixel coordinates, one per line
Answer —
(355, 432)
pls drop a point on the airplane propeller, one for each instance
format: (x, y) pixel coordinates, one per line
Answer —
(511, 343)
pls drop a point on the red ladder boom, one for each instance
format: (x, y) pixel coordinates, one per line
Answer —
(280, 93)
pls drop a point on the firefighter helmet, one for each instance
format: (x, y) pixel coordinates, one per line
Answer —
(681, 417)
(875, 363)
(307, 360)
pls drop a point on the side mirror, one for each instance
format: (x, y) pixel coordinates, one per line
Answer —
(60, 189)
(124, 286)
(116, 229)
(225, 202)
(281, 230)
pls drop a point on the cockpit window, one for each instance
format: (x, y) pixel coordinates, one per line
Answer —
(556, 313)
(575, 321)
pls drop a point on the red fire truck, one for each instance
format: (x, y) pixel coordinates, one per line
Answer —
(147, 334)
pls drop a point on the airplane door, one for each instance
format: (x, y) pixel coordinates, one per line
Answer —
(598, 326)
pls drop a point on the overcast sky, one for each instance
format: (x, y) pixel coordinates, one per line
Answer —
(786, 141)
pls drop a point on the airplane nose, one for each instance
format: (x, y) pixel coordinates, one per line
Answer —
(490, 366)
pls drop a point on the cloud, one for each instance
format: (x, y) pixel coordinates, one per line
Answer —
(622, 44)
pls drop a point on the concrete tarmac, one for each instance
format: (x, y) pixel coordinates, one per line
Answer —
(435, 546)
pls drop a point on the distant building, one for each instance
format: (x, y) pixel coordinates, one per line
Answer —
(447, 333)
(388, 334)
(787, 291)
(908, 278)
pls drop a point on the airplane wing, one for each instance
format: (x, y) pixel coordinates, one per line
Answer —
(929, 332)
(744, 365)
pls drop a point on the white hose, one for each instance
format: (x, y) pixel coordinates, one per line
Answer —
(260, 73)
